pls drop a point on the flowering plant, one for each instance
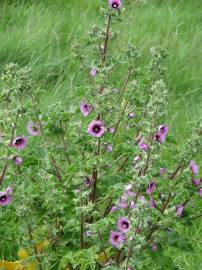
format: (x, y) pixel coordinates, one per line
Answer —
(99, 174)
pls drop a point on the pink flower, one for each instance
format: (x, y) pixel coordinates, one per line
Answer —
(193, 167)
(20, 142)
(196, 182)
(131, 115)
(161, 134)
(151, 187)
(154, 247)
(96, 129)
(162, 171)
(123, 224)
(142, 199)
(152, 202)
(116, 4)
(117, 239)
(200, 192)
(163, 129)
(109, 148)
(18, 160)
(93, 72)
(6, 196)
(111, 130)
(128, 187)
(179, 210)
(85, 108)
(33, 128)
(143, 146)
(114, 208)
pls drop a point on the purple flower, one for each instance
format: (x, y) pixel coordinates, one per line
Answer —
(154, 247)
(85, 108)
(137, 158)
(193, 167)
(116, 4)
(111, 130)
(162, 171)
(6, 196)
(93, 72)
(163, 129)
(143, 146)
(128, 187)
(151, 187)
(196, 182)
(33, 128)
(20, 142)
(123, 205)
(109, 148)
(96, 129)
(160, 138)
(142, 199)
(200, 192)
(161, 134)
(88, 182)
(131, 115)
(117, 239)
(152, 202)
(18, 160)
(179, 210)
(123, 225)
(114, 208)
(133, 204)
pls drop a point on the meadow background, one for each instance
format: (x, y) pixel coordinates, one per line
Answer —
(40, 33)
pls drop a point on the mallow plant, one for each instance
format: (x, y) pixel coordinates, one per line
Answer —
(97, 180)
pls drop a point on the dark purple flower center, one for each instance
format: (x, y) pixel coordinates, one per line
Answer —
(3, 198)
(115, 5)
(96, 128)
(125, 225)
(116, 237)
(162, 129)
(18, 141)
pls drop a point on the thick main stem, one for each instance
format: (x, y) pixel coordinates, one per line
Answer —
(106, 39)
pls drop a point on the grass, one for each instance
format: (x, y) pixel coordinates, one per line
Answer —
(39, 34)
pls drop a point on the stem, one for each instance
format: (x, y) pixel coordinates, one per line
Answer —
(108, 208)
(125, 85)
(3, 172)
(94, 185)
(10, 144)
(106, 39)
(175, 172)
(124, 109)
(82, 229)
(118, 257)
(52, 160)
(150, 141)
(65, 145)
(101, 241)
(35, 249)
(122, 165)
(13, 129)
(129, 255)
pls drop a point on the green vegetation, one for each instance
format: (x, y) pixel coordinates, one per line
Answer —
(39, 34)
